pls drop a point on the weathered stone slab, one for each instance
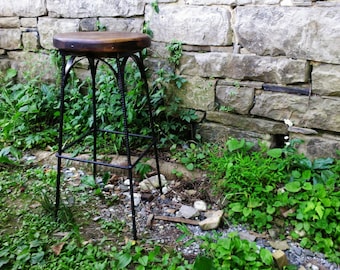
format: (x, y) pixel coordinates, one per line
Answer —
(30, 41)
(282, 31)
(4, 64)
(90, 8)
(33, 63)
(326, 80)
(48, 27)
(9, 22)
(210, 2)
(311, 112)
(88, 24)
(245, 67)
(10, 39)
(195, 25)
(197, 93)
(316, 146)
(297, 3)
(237, 99)
(218, 133)
(122, 24)
(28, 22)
(26, 8)
(257, 125)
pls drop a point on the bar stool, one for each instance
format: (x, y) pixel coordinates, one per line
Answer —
(98, 47)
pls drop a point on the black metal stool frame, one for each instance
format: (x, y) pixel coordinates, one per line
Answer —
(121, 60)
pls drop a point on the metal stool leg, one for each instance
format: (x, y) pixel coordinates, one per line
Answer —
(121, 85)
(93, 69)
(65, 71)
(60, 138)
(141, 67)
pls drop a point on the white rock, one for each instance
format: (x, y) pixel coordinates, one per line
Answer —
(126, 182)
(165, 190)
(109, 187)
(212, 222)
(137, 197)
(188, 211)
(152, 182)
(200, 205)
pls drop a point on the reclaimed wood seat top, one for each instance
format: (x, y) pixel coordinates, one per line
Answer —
(101, 42)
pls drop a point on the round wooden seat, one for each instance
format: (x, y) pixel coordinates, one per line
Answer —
(101, 43)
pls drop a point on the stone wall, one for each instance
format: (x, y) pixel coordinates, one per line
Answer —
(250, 64)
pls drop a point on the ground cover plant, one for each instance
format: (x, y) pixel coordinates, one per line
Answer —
(283, 189)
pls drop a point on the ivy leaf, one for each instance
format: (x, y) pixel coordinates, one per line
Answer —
(294, 186)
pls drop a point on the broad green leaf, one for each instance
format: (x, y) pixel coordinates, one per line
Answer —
(203, 263)
(308, 207)
(246, 211)
(322, 163)
(307, 186)
(266, 256)
(253, 203)
(190, 166)
(143, 260)
(124, 260)
(11, 73)
(234, 144)
(236, 207)
(3, 261)
(306, 163)
(294, 186)
(275, 152)
(319, 209)
(37, 257)
(270, 209)
(306, 174)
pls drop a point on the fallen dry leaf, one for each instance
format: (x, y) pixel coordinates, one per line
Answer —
(57, 248)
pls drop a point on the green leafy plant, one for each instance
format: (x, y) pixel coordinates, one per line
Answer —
(175, 50)
(193, 156)
(264, 186)
(227, 252)
(234, 253)
(27, 112)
